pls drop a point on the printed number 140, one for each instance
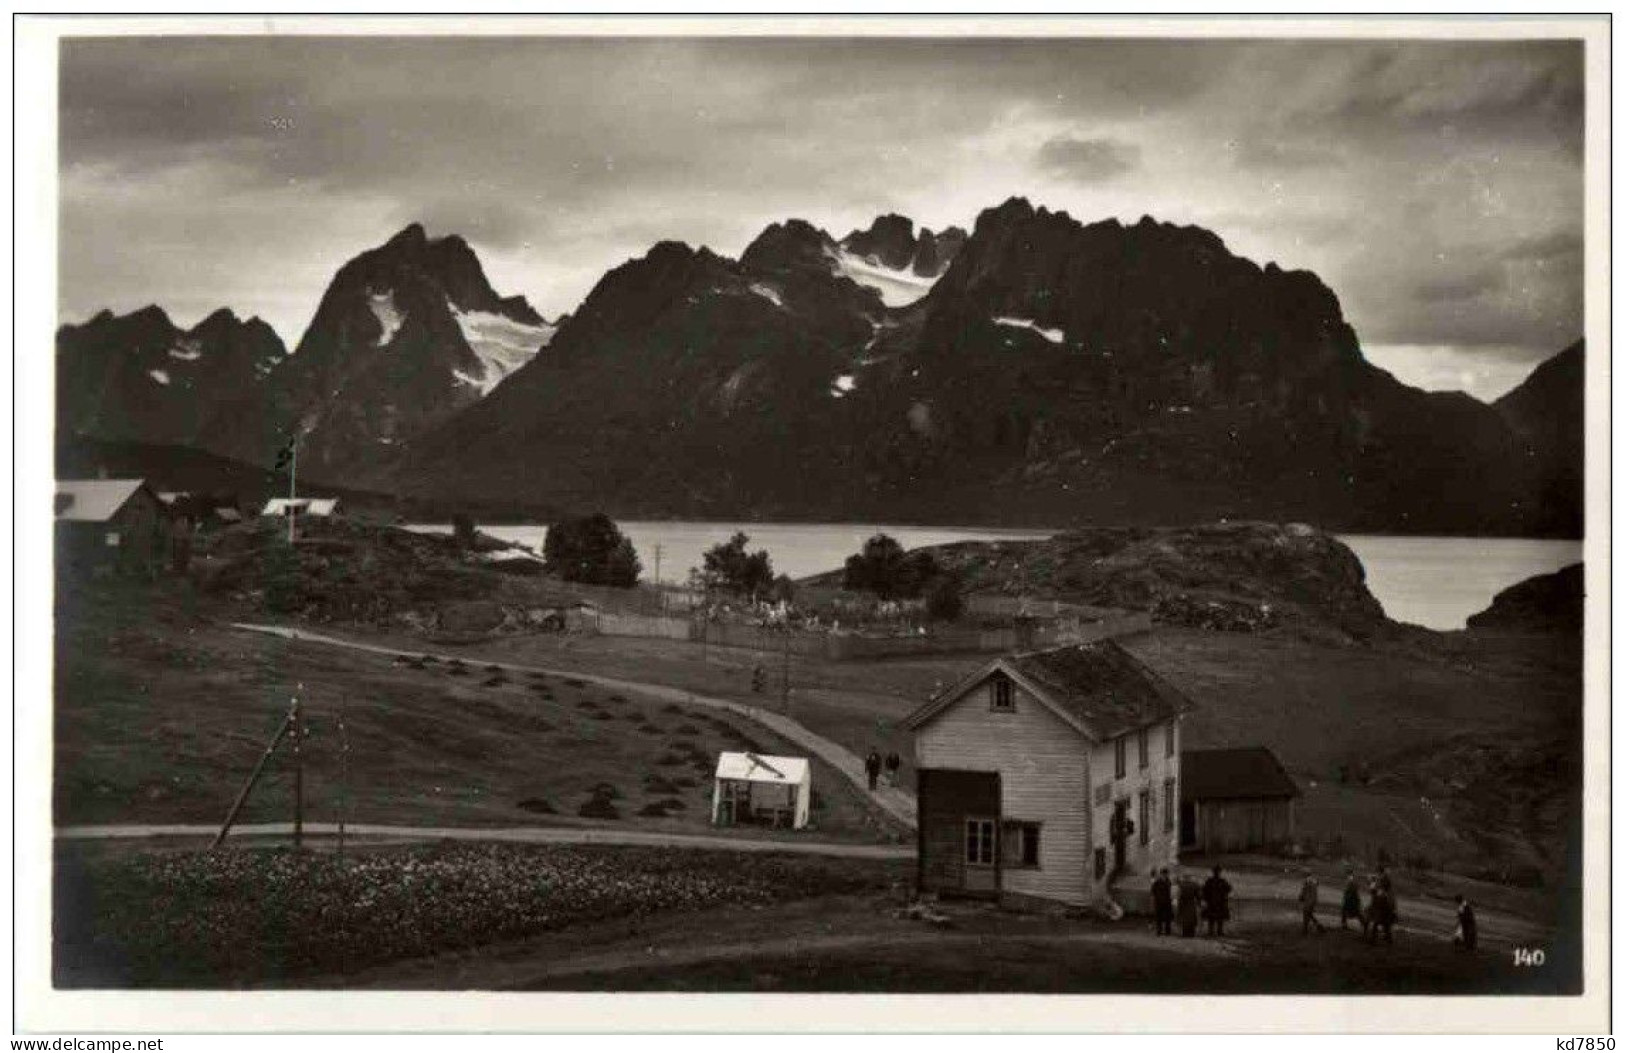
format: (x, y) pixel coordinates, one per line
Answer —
(1528, 956)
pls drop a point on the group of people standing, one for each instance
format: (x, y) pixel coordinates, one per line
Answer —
(874, 764)
(1209, 902)
(1376, 913)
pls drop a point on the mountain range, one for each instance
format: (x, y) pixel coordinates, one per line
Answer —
(1036, 370)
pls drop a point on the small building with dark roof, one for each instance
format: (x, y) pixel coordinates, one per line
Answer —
(1045, 776)
(1234, 800)
(109, 525)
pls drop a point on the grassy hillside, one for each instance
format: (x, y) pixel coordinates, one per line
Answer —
(161, 712)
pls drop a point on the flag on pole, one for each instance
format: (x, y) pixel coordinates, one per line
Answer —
(284, 456)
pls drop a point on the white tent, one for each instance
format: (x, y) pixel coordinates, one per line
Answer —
(756, 788)
(304, 506)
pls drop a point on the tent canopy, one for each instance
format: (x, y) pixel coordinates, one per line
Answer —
(760, 767)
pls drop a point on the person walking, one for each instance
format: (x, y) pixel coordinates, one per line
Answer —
(1162, 902)
(1308, 900)
(871, 765)
(893, 762)
(1216, 902)
(1351, 902)
(1380, 914)
(1466, 924)
(1190, 905)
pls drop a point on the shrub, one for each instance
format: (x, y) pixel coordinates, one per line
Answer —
(728, 566)
(943, 600)
(538, 805)
(591, 549)
(885, 569)
(598, 808)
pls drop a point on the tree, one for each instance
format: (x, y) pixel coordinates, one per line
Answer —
(728, 566)
(592, 550)
(943, 600)
(462, 528)
(886, 570)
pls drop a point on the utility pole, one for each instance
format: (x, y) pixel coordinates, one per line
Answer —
(344, 778)
(293, 476)
(298, 774)
(660, 592)
(787, 668)
(253, 777)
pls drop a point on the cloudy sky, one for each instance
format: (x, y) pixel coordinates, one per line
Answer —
(1437, 187)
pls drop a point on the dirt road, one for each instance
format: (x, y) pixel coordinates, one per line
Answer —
(518, 835)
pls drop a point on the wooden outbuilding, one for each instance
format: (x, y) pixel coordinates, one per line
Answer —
(754, 788)
(105, 525)
(1045, 776)
(1235, 800)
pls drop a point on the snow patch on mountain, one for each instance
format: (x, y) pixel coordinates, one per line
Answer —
(501, 344)
(768, 293)
(897, 288)
(1054, 336)
(389, 316)
(186, 351)
(159, 375)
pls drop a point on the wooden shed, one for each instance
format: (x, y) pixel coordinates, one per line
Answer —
(110, 524)
(754, 788)
(1234, 800)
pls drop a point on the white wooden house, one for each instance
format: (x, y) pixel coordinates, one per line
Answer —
(761, 789)
(1045, 776)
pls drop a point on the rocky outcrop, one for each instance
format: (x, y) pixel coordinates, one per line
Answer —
(1545, 603)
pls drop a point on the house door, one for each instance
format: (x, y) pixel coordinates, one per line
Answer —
(1120, 834)
(1187, 823)
(958, 839)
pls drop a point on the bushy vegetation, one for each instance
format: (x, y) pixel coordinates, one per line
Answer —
(591, 550)
(730, 567)
(885, 569)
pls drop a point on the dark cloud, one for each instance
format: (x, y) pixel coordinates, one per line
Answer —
(1088, 160)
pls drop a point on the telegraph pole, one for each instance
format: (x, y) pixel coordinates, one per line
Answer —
(298, 774)
(344, 778)
(787, 667)
(659, 592)
(293, 476)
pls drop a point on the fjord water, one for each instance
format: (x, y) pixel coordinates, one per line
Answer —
(1439, 582)
(1435, 582)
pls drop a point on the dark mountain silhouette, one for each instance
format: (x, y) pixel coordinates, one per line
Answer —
(1548, 412)
(405, 335)
(891, 242)
(140, 377)
(1056, 373)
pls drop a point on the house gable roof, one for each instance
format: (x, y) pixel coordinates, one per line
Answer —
(1247, 772)
(94, 500)
(1098, 688)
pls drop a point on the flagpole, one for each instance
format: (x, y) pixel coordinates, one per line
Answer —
(293, 476)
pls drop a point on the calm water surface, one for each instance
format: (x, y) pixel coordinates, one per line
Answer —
(1433, 581)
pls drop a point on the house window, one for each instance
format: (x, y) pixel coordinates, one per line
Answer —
(1020, 847)
(1145, 748)
(1145, 817)
(1121, 746)
(1170, 803)
(979, 847)
(1004, 696)
(1168, 739)
(1100, 863)
(112, 539)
